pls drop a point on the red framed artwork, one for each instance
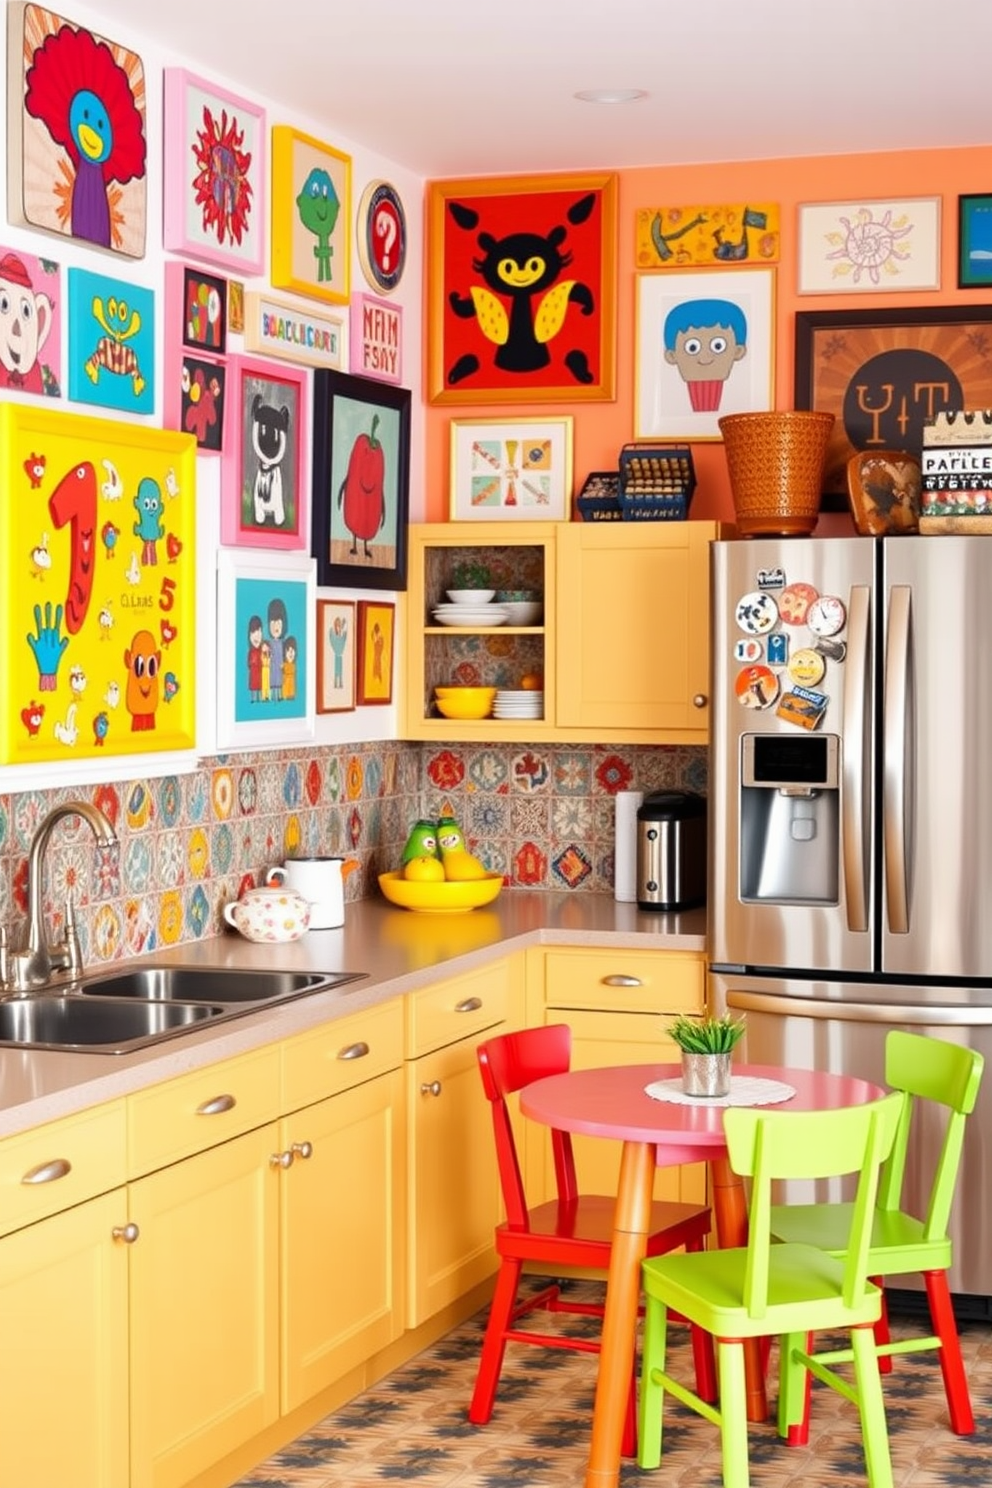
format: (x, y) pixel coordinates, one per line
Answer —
(521, 294)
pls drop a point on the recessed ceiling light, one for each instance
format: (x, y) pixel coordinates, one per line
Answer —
(611, 95)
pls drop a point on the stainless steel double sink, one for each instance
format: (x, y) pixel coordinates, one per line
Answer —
(118, 1012)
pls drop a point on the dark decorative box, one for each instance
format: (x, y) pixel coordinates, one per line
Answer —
(599, 499)
(656, 482)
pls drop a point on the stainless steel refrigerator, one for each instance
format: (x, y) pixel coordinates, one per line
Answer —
(850, 857)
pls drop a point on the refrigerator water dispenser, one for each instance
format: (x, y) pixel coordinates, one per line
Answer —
(790, 819)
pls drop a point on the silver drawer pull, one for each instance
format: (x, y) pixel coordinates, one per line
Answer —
(59, 1167)
(434, 1088)
(127, 1233)
(302, 1149)
(217, 1106)
(280, 1160)
(354, 1051)
(470, 1005)
(622, 981)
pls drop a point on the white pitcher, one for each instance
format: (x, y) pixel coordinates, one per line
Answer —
(319, 880)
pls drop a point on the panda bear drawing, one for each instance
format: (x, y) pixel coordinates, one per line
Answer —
(269, 440)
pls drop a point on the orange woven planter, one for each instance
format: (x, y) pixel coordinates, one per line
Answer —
(776, 463)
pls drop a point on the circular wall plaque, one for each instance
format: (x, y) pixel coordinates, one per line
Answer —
(382, 236)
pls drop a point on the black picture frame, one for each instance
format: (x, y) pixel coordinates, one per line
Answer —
(975, 241)
(882, 372)
(360, 425)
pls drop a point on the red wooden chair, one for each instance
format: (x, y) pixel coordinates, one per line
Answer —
(573, 1230)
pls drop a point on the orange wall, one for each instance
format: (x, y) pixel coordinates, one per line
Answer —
(601, 428)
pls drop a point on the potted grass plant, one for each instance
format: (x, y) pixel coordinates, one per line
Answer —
(706, 1045)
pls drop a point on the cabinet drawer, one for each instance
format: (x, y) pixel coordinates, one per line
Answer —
(453, 1009)
(625, 981)
(341, 1054)
(61, 1164)
(183, 1116)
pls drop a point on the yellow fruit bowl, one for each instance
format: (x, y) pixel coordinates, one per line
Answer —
(464, 702)
(440, 898)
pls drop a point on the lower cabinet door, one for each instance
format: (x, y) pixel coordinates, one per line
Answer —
(64, 1350)
(204, 1308)
(343, 1227)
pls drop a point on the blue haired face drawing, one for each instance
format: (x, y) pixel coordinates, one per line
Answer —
(704, 338)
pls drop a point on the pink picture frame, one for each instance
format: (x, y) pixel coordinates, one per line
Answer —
(204, 123)
(376, 338)
(264, 500)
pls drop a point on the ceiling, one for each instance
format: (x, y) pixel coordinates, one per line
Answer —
(451, 87)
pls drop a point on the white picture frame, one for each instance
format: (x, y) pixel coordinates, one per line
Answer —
(869, 247)
(250, 586)
(511, 469)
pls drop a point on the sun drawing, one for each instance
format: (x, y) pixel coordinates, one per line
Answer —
(221, 185)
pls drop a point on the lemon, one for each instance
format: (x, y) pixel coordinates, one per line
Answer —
(424, 870)
(459, 866)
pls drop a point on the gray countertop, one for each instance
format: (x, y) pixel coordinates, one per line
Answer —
(398, 951)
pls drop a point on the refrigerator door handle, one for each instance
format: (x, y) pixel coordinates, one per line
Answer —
(854, 825)
(926, 1014)
(896, 704)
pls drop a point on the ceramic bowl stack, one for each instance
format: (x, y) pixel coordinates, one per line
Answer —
(522, 606)
(518, 703)
(472, 609)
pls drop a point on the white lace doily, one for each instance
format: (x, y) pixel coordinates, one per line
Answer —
(745, 1090)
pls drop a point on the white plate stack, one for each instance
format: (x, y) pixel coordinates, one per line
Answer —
(471, 616)
(518, 703)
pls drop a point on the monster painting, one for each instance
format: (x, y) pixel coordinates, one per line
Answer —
(261, 494)
(111, 342)
(521, 289)
(311, 212)
(361, 459)
(76, 133)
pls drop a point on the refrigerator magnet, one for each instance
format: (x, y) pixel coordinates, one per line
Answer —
(756, 687)
(756, 613)
(807, 667)
(826, 615)
(794, 602)
(749, 649)
(802, 707)
(771, 578)
(831, 649)
(778, 648)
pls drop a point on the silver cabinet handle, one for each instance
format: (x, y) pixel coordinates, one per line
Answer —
(700, 700)
(59, 1167)
(217, 1106)
(281, 1160)
(434, 1088)
(621, 980)
(469, 1005)
(354, 1051)
(127, 1234)
(302, 1149)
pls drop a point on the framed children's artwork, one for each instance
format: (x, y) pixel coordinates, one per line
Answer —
(518, 469)
(236, 306)
(499, 332)
(262, 497)
(869, 247)
(296, 333)
(360, 483)
(214, 207)
(30, 324)
(376, 338)
(975, 241)
(376, 643)
(111, 342)
(98, 609)
(335, 656)
(195, 393)
(265, 649)
(76, 133)
(714, 235)
(703, 347)
(196, 309)
(311, 216)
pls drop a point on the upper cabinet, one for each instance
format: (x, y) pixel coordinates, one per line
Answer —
(621, 645)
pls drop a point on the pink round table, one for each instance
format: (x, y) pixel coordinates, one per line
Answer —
(612, 1103)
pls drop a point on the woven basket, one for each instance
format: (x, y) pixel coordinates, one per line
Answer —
(776, 463)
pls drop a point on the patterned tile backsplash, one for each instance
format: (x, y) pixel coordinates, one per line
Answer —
(540, 815)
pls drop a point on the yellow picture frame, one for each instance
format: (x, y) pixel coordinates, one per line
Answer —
(98, 642)
(311, 216)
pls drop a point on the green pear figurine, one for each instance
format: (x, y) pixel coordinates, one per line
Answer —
(422, 842)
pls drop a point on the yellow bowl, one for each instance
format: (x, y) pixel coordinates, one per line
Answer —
(464, 702)
(440, 898)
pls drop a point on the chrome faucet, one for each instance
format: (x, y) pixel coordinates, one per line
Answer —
(35, 966)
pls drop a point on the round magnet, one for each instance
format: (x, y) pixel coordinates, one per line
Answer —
(794, 602)
(827, 615)
(749, 650)
(806, 667)
(756, 686)
(756, 613)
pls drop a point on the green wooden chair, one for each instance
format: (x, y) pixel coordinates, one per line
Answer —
(926, 1069)
(789, 1290)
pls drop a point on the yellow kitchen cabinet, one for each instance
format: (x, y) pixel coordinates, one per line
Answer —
(342, 1199)
(623, 646)
(453, 1185)
(619, 1005)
